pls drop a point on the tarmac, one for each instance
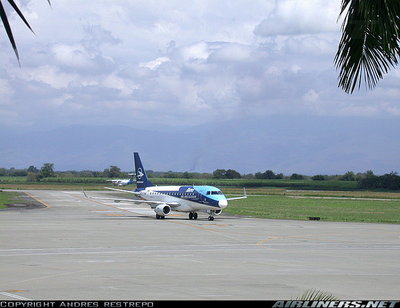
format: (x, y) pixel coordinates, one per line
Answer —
(76, 248)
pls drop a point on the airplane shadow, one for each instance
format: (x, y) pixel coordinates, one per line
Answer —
(183, 218)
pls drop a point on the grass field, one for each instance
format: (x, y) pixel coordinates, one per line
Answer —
(278, 203)
(292, 207)
(7, 198)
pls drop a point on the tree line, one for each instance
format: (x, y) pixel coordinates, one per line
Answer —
(367, 180)
(34, 174)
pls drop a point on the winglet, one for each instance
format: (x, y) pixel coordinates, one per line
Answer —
(237, 198)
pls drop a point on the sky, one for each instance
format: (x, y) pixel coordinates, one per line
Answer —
(199, 85)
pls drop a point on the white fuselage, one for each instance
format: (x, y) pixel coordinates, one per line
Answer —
(186, 198)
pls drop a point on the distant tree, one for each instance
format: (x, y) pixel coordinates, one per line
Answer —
(369, 173)
(258, 175)
(226, 174)
(219, 173)
(390, 181)
(269, 174)
(171, 175)
(112, 172)
(369, 180)
(296, 176)
(188, 175)
(47, 170)
(33, 169)
(318, 177)
(387, 181)
(19, 172)
(348, 176)
(232, 174)
(86, 173)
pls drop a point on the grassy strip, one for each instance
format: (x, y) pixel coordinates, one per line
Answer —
(283, 183)
(286, 207)
(7, 198)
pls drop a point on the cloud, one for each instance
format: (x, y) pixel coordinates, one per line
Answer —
(292, 17)
(49, 75)
(182, 64)
(6, 90)
(72, 55)
(311, 96)
(154, 64)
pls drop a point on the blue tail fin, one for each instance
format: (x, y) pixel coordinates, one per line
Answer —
(141, 177)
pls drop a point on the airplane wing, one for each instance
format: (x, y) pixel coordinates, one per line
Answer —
(137, 201)
(123, 190)
(236, 198)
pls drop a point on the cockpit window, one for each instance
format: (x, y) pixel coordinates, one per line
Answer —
(218, 192)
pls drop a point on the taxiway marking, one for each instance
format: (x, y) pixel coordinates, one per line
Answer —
(37, 199)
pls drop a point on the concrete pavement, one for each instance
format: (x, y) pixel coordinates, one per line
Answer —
(78, 248)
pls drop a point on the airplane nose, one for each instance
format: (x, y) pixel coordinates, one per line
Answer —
(222, 203)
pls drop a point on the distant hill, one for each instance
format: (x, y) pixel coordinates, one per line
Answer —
(315, 145)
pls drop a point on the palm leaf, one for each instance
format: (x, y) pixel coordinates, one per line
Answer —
(369, 45)
(316, 295)
(7, 26)
(15, 7)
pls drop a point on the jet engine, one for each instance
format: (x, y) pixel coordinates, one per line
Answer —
(162, 209)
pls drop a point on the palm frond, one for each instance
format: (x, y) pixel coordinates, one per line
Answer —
(369, 45)
(7, 26)
(316, 295)
(15, 7)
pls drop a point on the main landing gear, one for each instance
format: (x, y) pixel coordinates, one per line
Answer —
(160, 216)
(192, 215)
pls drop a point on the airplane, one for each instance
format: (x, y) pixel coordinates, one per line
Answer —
(186, 198)
(119, 182)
